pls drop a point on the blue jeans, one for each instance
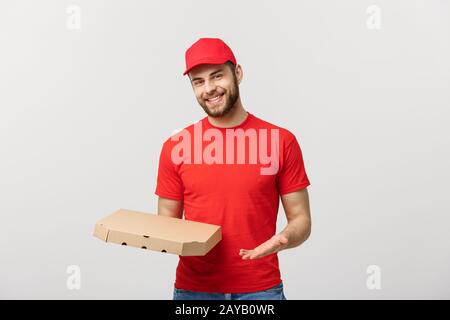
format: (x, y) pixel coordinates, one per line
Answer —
(274, 293)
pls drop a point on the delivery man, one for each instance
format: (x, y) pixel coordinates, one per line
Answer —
(230, 169)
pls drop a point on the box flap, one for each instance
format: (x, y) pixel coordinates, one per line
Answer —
(156, 226)
(101, 231)
(159, 233)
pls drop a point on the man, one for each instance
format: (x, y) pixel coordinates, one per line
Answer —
(230, 169)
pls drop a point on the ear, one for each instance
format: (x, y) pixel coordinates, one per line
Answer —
(239, 73)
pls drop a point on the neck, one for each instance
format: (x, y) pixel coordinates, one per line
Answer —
(236, 116)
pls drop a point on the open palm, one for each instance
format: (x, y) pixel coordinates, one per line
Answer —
(274, 244)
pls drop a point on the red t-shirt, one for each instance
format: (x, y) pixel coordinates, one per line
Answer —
(232, 194)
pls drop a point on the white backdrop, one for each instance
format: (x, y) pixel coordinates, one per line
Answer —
(89, 90)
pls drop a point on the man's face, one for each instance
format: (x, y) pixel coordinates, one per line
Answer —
(215, 87)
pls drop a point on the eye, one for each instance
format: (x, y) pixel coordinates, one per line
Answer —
(198, 83)
(218, 76)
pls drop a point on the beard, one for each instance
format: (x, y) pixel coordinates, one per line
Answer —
(229, 96)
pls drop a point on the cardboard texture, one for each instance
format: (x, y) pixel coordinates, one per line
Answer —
(158, 233)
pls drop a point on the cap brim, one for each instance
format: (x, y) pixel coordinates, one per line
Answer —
(206, 61)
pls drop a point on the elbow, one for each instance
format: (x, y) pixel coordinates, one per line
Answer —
(308, 230)
(308, 234)
(303, 233)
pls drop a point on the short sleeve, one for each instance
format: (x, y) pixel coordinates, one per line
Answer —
(292, 175)
(169, 183)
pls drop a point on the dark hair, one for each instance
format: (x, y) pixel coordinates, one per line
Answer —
(231, 65)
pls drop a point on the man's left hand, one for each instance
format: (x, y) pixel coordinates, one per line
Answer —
(274, 244)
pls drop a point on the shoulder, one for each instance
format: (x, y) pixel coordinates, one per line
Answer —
(174, 137)
(286, 136)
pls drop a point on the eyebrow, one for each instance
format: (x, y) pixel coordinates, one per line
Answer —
(211, 74)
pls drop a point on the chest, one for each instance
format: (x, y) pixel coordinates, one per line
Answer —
(226, 179)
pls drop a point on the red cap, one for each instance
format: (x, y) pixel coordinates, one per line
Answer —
(208, 51)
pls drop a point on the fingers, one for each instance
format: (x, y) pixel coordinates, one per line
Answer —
(247, 254)
(248, 257)
(283, 240)
(264, 249)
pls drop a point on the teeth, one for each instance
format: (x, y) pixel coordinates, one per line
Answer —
(215, 98)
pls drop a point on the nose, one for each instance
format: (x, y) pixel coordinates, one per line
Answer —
(210, 87)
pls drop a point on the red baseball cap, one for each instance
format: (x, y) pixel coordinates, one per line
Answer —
(208, 51)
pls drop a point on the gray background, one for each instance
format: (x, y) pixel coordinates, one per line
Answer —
(84, 113)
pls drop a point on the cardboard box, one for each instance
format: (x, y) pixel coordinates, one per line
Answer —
(158, 233)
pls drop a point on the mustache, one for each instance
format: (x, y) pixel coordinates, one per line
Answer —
(214, 95)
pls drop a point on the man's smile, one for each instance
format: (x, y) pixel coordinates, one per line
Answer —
(215, 100)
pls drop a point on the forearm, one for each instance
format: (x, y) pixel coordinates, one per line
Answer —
(297, 231)
(170, 208)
